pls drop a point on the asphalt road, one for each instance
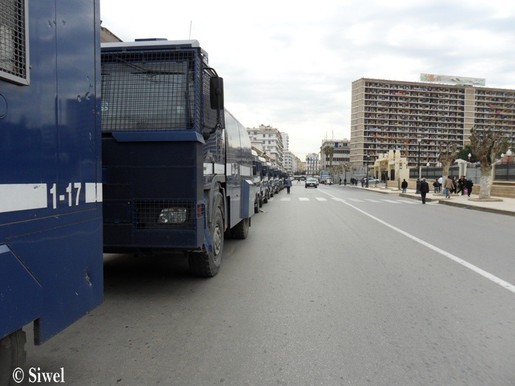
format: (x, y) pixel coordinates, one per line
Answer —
(334, 286)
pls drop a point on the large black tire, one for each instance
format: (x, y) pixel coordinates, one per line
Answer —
(207, 263)
(12, 355)
(241, 230)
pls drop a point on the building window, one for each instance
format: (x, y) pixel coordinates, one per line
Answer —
(14, 41)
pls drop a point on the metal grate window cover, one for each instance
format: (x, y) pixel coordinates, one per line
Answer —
(149, 91)
(13, 41)
(146, 214)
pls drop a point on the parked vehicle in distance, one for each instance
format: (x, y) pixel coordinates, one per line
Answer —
(311, 182)
(373, 180)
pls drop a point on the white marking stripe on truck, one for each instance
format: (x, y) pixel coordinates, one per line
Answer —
(245, 171)
(211, 168)
(14, 197)
(18, 197)
(93, 192)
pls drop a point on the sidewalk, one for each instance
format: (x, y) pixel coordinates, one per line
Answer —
(506, 206)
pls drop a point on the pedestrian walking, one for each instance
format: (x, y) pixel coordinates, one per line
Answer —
(447, 188)
(468, 187)
(287, 183)
(424, 189)
(404, 185)
(436, 186)
(461, 185)
(454, 185)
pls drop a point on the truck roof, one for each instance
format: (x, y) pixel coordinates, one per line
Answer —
(152, 43)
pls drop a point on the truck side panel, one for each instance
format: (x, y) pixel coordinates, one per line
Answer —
(241, 190)
(50, 171)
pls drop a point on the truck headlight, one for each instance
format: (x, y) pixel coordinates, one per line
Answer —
(173, 216)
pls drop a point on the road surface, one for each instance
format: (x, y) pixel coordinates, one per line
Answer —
(334, 286)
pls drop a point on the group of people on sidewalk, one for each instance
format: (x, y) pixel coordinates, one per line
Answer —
(456, 186)
(451, 185)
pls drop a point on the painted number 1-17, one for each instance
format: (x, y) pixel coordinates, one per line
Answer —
(72, 194)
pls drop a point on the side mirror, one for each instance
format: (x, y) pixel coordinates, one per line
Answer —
(216, 91)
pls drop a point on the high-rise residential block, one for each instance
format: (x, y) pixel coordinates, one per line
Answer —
(415, 118)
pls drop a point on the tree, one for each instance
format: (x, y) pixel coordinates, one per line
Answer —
(447, 156)
(464, 154)
(486, 146)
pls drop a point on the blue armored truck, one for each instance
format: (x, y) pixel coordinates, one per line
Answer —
(50, 170)
(177, 166)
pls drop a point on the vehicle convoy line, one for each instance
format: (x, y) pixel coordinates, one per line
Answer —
(506, 285)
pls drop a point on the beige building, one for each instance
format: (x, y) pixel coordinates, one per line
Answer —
(106, 36)
(414, 118)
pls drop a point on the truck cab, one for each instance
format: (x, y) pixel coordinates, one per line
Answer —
(177, 165)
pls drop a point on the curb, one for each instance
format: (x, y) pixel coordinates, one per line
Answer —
(480, 208)
(418, 198)
(441, 201)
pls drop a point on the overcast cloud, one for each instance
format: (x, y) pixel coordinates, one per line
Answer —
(290, 64)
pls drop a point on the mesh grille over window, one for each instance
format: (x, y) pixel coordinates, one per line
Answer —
(13, 41)
(148, 91)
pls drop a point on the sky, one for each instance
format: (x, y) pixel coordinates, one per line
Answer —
(290, 64)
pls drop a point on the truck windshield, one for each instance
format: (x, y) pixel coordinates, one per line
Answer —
(146, 95)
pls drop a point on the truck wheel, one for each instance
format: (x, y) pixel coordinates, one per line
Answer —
(12, 355)
(207, 263)
(241, 230)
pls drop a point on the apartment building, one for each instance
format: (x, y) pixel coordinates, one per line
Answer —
(414, 118)
(312, 164)
(269, 140)
(290, 162)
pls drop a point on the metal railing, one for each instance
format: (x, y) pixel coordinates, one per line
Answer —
(502, 172)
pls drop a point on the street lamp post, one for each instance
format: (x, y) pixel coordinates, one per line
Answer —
(366, 178)
(366, 157)
(419, 140)
(510, 155)
(506, 159)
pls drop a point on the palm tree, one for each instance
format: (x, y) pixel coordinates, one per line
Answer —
(329, 153)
